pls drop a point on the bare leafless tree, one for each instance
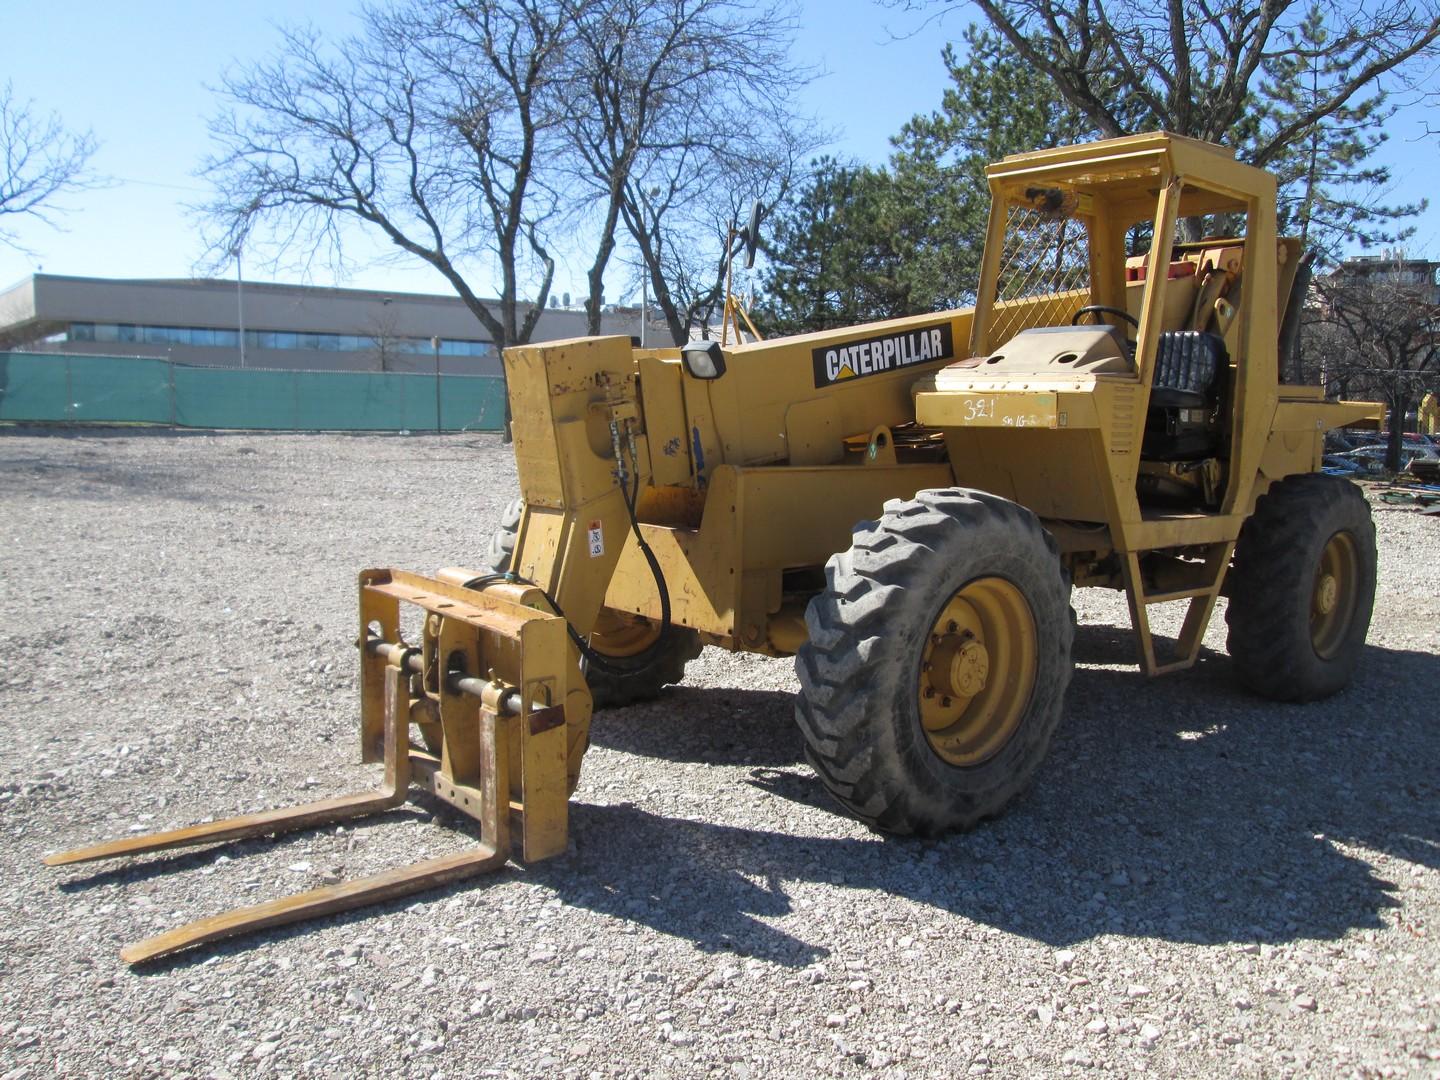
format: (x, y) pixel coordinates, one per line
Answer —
(1191, 66)
(481, 130)
(387, 343)
(428, 127)
(1377, 332)
(668, 96)
(40, 161)
(681, 212)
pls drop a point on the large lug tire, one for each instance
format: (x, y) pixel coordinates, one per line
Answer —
(612, 691)
(614, 635)
(1302, 588)
(937, 663)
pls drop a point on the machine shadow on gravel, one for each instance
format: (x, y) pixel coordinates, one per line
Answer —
(735, 726)
(1105, 644)
(1204, 816)
(710, 725)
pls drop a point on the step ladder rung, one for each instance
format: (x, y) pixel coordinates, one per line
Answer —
(1180, 594)
(1197, 615)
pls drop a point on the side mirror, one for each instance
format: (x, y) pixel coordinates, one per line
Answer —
(703, 359)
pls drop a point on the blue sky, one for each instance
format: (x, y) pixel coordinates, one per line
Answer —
(137, 75)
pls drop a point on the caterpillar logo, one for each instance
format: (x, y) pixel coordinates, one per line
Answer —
(877, 355)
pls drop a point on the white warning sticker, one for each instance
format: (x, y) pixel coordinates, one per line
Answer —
(597, 540)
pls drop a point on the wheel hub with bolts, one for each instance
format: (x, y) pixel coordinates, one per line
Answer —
(1332, 602)
(977, 671)
(958, 666)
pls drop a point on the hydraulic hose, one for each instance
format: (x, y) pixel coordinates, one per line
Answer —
(611, 665)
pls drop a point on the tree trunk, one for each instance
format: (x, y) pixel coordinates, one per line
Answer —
(1399, 406)
(596, 276)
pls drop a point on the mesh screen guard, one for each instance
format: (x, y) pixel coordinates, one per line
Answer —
(1044, 265)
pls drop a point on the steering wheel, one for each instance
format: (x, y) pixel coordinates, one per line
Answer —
(1104, 309)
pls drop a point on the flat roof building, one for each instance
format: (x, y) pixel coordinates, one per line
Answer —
(1417, 278)
(289, 327)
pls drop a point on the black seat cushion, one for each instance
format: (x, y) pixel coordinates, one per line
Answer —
(1187, 368)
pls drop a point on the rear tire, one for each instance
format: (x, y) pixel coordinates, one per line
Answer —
(615, 635)
(612, 691)
(1302, 588)
(937, 663)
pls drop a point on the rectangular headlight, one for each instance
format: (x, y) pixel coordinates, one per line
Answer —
(703, 359)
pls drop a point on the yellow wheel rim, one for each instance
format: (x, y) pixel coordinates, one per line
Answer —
(977, 671)
(622, 635)
(1333, 595)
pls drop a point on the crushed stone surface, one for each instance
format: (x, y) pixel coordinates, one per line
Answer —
(1199, 883)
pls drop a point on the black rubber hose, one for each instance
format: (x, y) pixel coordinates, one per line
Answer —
(609, 664)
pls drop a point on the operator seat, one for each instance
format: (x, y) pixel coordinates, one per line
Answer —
(1182, 423)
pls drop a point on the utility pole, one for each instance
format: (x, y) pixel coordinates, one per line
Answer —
(435, 344)
(240, 303)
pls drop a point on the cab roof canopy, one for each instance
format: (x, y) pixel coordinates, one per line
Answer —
(1132, 170)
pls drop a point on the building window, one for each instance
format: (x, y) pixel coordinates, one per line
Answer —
(282, 340)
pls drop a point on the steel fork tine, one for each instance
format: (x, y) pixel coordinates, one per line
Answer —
(388, 885)
(491, 854)
(473, 770)
(288, 819)
(269, 821)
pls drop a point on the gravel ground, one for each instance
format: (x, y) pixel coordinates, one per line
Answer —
(1200, 884)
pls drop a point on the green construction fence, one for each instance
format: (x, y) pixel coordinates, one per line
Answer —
(51, 387)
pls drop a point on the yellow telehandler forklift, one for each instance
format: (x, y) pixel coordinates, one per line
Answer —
(904, 507)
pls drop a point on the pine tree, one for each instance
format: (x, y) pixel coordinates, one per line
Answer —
(830, 263)
(996, 105)
(1329, 187)
(859, 244)
(907, 238)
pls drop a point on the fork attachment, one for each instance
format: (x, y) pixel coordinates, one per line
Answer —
(487, 687)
